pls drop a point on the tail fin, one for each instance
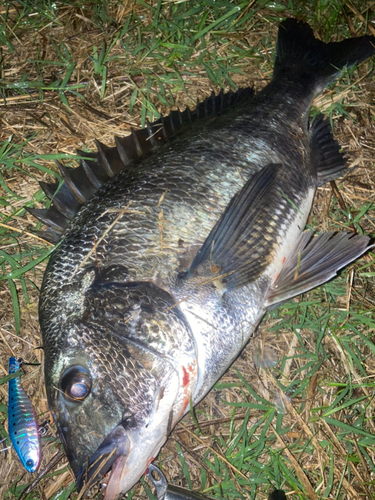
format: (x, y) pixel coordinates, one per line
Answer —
(299, 51)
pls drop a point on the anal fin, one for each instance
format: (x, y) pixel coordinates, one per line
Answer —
(313, 261)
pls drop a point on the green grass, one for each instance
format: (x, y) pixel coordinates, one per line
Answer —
(59, 57)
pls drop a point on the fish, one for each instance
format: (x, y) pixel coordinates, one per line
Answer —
(22, 423)
(172, 247)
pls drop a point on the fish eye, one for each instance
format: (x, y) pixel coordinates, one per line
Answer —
(76, 384)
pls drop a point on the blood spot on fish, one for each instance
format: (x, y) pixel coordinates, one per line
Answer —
(186, 377)
(284, 259)
(151, 460)
(188, 374)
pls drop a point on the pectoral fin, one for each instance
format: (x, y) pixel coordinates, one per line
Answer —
(314, 261)
(241, 244)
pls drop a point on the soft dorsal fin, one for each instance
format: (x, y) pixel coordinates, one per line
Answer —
(82, 182)
(328, 162)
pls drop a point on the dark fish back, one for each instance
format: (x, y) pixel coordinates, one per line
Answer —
(96, 169)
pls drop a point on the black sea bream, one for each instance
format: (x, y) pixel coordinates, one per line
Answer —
(175, 244)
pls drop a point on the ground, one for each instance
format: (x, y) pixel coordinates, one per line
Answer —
(74, 71)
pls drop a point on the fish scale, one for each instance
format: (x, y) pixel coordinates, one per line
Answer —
(168, 267)
(22, 423)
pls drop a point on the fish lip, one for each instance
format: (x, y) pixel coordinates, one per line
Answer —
(114, 446)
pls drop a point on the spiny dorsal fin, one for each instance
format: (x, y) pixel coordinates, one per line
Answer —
(109, 159)
(78, 183)
(49, 189)
(63, 199)
(51, 217)
(93, 169)
(82, 182)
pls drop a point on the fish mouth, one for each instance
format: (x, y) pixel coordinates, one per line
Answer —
(127, 452)
(112, 453)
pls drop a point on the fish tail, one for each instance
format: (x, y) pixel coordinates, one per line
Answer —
(298, 51)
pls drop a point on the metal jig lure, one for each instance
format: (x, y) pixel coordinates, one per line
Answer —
(165, 491)
(22, 423)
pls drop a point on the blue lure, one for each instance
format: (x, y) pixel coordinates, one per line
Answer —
(22, 423)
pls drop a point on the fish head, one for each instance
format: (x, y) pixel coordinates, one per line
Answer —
(118, 383)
